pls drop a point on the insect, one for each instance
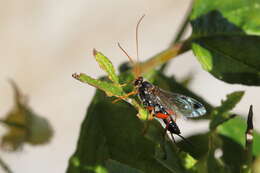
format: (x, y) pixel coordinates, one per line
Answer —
(160, 103)
(166, 105)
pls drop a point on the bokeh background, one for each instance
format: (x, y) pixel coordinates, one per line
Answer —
(43, 42)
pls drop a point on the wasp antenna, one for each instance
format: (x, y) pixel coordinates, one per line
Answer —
(129, 57)
(136, 65)
(136, 37)
(138, 70)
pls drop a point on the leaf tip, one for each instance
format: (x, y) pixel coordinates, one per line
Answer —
(77, 76)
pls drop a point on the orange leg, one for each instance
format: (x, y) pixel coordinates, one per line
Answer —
(125, 96)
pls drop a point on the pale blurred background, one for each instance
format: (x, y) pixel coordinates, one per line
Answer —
(42, 42)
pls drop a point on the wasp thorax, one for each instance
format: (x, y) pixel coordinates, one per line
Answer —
(147, 85)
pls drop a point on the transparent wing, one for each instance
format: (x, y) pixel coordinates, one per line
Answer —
(180, 104)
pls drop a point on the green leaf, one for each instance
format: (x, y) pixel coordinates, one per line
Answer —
(233, 154)
(205, 147)
(213, 164)
(106, 65)
(200, 145)
(221, 114)
(225, 37)
(231, 101)
(115, 167)
(235, 130)
(114, 132)
(231, 158)
(109, 88)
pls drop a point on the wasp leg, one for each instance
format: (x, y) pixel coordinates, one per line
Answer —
(173, 139)
(125, 96)
(162, 115)
(165, 131)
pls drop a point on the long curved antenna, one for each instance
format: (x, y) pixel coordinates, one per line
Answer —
(138, 70)
(136, 65)
(129, 57)
(131, 61)
(136, 37)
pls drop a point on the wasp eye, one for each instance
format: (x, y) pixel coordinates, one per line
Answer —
(138, 81)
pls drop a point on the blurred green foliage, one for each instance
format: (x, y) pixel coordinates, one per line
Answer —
(23, 125)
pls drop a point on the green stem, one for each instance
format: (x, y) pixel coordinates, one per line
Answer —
(166, 55)
(4, 166)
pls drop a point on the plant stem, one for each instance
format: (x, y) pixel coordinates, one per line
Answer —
(165, 55)
(249, 142)
(4, 166)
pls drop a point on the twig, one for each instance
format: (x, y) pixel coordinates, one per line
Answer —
(165, 55)
(249, 142)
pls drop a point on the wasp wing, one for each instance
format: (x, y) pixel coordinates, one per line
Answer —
(180, 104)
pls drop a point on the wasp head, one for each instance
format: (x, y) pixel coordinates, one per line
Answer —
(138, 82)
(143, 85)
